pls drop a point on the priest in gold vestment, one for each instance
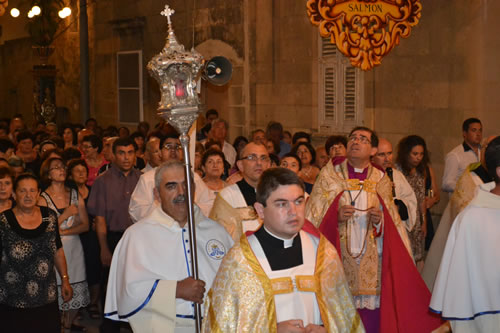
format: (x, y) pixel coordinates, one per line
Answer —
(353, 207)
(284, 277)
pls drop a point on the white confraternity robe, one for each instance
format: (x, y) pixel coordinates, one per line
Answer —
(467, 287)
(151, 257)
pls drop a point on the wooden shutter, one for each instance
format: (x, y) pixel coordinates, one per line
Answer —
(129, 71)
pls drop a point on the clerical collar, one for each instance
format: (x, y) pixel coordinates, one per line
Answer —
(248, 192)
(286, 242)
(355, 173)
(277, 253)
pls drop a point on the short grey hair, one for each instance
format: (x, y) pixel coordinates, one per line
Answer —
(220, 120)
(162, 168)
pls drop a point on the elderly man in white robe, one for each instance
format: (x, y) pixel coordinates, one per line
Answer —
(403, 194)
(150, 283)
(468, 281)
(143, 202)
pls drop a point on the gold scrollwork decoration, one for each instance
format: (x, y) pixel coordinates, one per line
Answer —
(3, 6)
(364, 30)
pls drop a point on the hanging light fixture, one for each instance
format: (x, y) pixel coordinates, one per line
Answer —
(36, 10)
(14, 12)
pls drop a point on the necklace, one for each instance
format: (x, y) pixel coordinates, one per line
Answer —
(350, 222)
(348, 232)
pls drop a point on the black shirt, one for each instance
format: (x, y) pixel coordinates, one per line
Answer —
(277, 255)
(248, 192)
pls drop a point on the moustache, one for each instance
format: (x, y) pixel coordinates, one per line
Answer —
(179, 199)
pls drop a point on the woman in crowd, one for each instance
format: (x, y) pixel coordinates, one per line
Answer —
(69, 136)
(213, 167)
(92, 148)
(77, 176)
(6, 185)
(139, 139)
(336, 145)
(31, 247)
(413, 161)
(212, 144)
(239, 143)
(309, 171)
(292, 162)
(72, 219)
(198, 156)
(25, 151)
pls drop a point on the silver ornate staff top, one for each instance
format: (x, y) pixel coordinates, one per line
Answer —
(177, 71)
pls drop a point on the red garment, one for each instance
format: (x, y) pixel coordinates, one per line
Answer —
(404, 298)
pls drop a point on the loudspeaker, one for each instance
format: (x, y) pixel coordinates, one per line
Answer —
(218, 71)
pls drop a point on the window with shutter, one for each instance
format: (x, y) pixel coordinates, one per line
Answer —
(340, 106)
(129, 71)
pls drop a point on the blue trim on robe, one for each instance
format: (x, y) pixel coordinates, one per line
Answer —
(146, 301)
(468, 318)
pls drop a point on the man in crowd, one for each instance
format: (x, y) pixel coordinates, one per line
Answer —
(352, 204)
(143, 201)
(152, 154)
(210, 116)
(464, 154)
(468, 280)
(321, 156)
(140, 270)
(233, 207)
(285, 277)
(218, 132)
(108, 202)
(403, 194)
(259, 136)
(275, 133)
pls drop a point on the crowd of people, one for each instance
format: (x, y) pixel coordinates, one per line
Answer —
(107, 209)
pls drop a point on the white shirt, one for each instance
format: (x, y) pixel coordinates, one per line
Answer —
(141, 270)
(404, 192)
(229, 152)
(297, 304)
(143, 202)
(455, 164)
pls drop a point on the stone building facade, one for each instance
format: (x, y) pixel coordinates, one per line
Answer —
(445, 72)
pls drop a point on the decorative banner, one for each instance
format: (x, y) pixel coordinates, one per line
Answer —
(364, 30)
(3, 6)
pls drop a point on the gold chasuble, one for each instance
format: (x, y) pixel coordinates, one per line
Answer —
(333, 180)
(231, 218)
(242, 296)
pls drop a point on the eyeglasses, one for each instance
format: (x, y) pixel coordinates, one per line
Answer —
(361, 138)
(172, 146)
(255, 158)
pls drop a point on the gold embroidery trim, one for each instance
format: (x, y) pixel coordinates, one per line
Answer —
(282, 285)
(358, 185)
(306, 283)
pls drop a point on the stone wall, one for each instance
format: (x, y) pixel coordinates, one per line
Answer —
(445, 72)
